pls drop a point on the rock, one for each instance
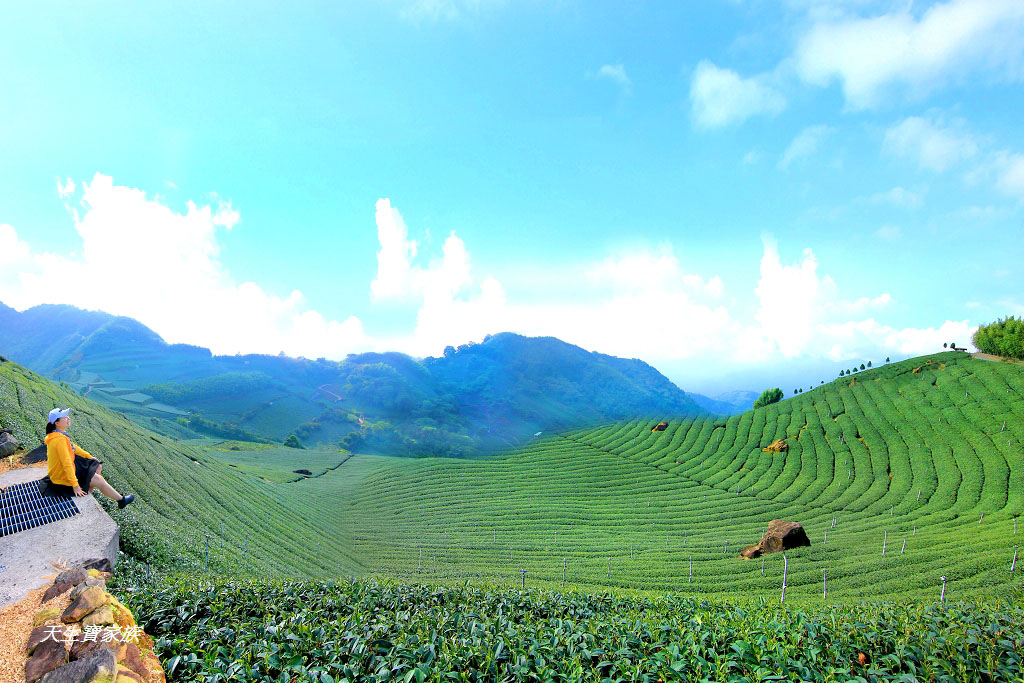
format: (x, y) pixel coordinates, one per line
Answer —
(124, 675)
(55, 590)
(102, 616)
(777, 446)
(73, 576)
(91, 581)
(154, 669)
(37, 454)
(100, 564)
(45, 615)
(8, 444)
(109, 639)
(751, 552)
(781, 535)
(48, 656)
(91, 598)
(133, 659)
(99, 668)
(43, 633)
(122, 615)
(305, 472)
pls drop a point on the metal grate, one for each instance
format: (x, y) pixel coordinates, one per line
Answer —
(23, 506)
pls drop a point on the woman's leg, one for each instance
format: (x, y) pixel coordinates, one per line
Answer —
(106, 489)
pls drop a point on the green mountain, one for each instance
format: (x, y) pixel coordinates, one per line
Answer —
(475, 398)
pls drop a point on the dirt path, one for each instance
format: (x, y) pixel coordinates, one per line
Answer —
(988, 356)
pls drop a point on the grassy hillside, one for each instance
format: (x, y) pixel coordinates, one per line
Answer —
(912, 455)
(187, 499)
(890, 454)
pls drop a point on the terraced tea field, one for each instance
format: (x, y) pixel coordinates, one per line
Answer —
(193, 511)
(916, 463)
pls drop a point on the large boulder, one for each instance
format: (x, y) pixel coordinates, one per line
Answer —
(90, 599)
(100, 667)
(781, 535)
(46, 657)
(8, 444)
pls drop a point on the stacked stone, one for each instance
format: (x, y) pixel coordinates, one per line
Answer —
(94, 640)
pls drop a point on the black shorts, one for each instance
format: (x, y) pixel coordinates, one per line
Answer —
(85, 468)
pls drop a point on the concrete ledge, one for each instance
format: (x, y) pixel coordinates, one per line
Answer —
(28, 555)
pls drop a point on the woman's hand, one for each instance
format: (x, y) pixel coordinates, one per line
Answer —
(78, 491)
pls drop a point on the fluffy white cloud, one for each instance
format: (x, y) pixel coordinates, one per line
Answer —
(141, 259)
(720, 97)
(616, 73)
(912, 55)
(394, 260)
(803, 145)
(932, 144)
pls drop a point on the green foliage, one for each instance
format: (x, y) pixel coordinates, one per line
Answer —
(293, 442)
(375, 632)
(200, 424)
(768, 397)
(220, 386)
(1005, 337)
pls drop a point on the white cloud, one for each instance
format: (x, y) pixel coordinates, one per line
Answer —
(932, 144)
(394, 260)
(437, 10)
(899, 52)
(898, 196)
(721, 97)
(890, 232)
(803, 145)
(751, 157)
(616, 73)
(65, 189)
(141, 259)
(1011, 174)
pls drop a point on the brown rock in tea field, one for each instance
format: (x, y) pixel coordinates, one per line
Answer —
(781, 535)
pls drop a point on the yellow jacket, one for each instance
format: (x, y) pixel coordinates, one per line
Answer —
(60, 458)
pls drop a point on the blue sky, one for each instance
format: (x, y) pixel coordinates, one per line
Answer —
(737, 192)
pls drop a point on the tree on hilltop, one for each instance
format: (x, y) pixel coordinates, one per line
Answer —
(1005, 337)
(293, 442)
(768, 397)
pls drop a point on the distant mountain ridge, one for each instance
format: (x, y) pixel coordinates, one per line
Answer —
(473, 398)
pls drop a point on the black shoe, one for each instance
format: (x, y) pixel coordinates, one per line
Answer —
(125, 500)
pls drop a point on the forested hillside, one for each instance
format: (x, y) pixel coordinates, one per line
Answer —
(473, 399)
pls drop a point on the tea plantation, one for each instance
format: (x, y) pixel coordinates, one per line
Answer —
(908, 479)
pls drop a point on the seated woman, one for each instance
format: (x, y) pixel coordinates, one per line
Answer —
(70, 469)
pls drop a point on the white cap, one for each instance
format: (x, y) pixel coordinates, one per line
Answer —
(57, 414)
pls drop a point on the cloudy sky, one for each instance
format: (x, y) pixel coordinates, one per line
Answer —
(738, 192)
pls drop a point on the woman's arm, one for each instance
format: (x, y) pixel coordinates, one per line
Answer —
(81, 451)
